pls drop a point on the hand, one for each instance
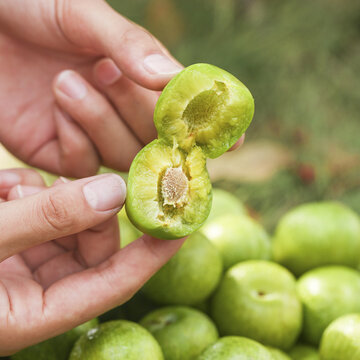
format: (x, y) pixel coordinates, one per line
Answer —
(61, 263)
(65, 106)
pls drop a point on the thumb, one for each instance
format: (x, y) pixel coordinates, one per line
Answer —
(59, 211)
(95, 25)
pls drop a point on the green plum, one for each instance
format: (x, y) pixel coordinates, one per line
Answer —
(117, 340)
(223, 202)
(278, 354)
(206, 106)
(258, 299)
(201, 113)
(238, 238)
(236, 348)
(128, 232)
(169, 191)
(182, 332)
(317, 234)
(326, 294)
(138, 306)
(189, 277)
(341, 339)
(57, 348)
(304, 352)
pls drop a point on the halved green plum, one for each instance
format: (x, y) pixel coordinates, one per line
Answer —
(169, 191)
(206, 106)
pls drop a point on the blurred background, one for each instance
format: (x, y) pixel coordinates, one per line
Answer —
(301, 61)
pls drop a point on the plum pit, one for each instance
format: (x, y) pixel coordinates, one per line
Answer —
(174, 187)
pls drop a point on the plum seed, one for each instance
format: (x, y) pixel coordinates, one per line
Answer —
(174, 187)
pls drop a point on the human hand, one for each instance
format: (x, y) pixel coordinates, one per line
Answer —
(60, 259)
(65, 106)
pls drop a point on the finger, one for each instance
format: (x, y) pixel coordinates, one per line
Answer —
(134, 103)
(93, 112)
(12, 177)
(239, 143)
(71, 153)
(61, 180)
(59, 211)
(94, 246)
(132, 48)
(107, 285)
(21, 191)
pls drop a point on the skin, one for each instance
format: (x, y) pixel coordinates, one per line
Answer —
(45, 44)
(104, 52)
(71, 256)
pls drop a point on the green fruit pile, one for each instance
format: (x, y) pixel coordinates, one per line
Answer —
(203, 306)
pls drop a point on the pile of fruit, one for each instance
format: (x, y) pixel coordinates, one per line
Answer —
(231, 293)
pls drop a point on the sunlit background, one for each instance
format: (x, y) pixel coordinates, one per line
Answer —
(301, 61)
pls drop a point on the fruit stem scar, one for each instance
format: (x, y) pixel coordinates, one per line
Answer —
(174, 187)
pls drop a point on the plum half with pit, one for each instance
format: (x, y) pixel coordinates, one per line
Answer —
(201, 113)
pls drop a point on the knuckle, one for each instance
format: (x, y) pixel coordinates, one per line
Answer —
(56, 213)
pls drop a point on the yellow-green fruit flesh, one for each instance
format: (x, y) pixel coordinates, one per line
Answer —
(206, 106)
(169, 191)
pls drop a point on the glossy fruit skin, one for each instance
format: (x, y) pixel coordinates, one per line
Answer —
(182, 332)
(258, 299)
(304, 352)
(229, 108)
(326, 294)
(311, 230)
(128, 232)
(235, 348)
(223, 202)
(341, 339)
(238, 238)
(144, 204)
(189, 277)
(278, 354)
(57, 348)
(117, 340)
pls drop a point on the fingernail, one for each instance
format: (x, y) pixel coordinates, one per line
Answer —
(160, 64)
(19, 191)
(64, 180)
(69, 83)
(107, 192)
(27, 190)
(9, 179)
(106, 72)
